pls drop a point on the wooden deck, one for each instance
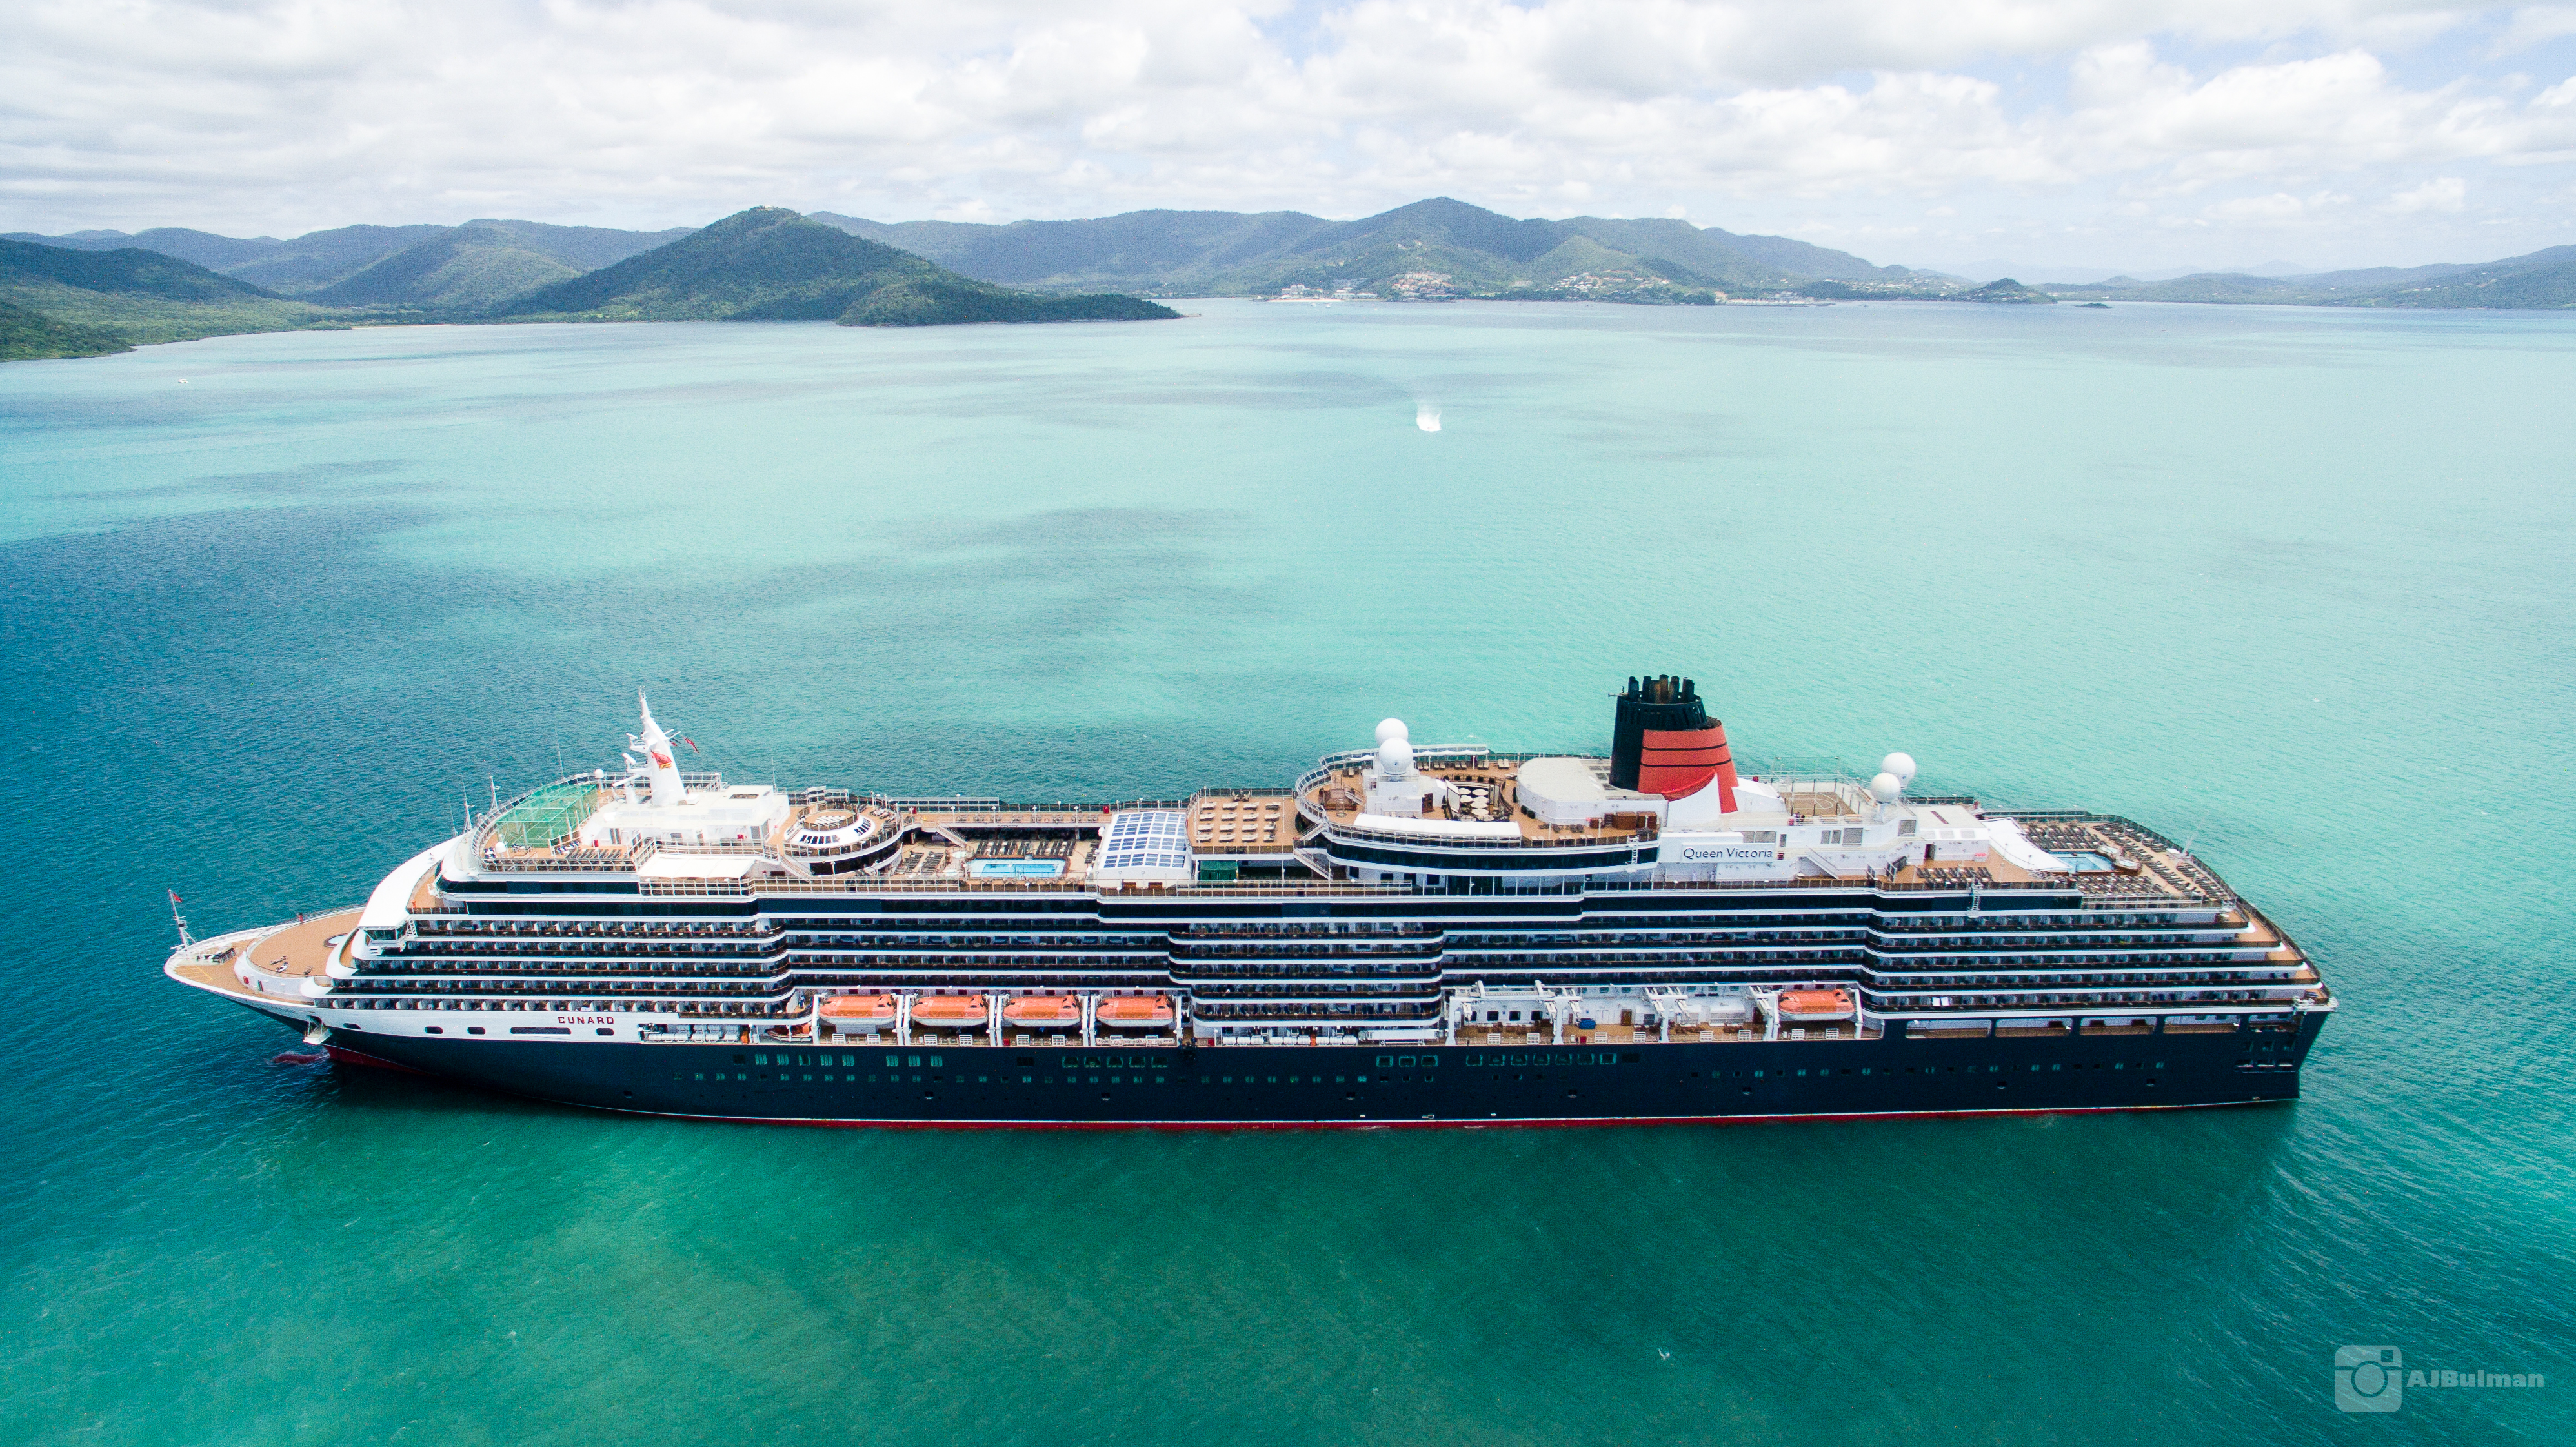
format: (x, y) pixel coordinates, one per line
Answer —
(1247, 824)
(290, 954)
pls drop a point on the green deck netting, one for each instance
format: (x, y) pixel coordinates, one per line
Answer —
(548, 816)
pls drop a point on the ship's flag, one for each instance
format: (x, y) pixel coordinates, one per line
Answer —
(692, 743)
(174, 896)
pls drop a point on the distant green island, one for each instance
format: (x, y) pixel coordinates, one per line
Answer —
(2542, 280)
(770, 264)
(764, 264)
(94, 293)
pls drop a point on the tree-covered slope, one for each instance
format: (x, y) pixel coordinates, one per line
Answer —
(206, 249)
(319, 260)
(471, 268)
(950, 299)
(1803, 258)
(2545, 279)
(26, 335)
(143, 296)
(764, 264)
(1705, 252)
(2518, 284)
(1439, 247)
(316, 259)
(126, 271)
(771, 264)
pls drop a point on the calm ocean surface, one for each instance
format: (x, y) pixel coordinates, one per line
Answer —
(2293, 585)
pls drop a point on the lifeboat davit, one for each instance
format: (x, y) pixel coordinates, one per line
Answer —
(860, 1014)
(1815, 1004)
(1134, 1012)
(948, 1010)
(1039, 1011)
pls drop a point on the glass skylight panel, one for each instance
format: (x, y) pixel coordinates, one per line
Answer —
(1146, 839)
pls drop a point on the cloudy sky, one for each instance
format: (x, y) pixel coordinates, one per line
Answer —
(2109, 133)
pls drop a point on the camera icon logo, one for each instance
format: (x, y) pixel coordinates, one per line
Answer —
(2369, 1379)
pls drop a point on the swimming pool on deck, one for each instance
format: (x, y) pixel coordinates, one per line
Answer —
(1017, 868)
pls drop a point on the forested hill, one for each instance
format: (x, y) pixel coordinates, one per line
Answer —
(1429, 249)
(771, 264)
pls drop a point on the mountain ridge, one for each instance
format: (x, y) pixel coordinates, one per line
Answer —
(78, 302)
(1473, 252)
(320, 260)
(2539, 280)
(768, 263)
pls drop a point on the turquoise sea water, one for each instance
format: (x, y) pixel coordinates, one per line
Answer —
(2292, 585)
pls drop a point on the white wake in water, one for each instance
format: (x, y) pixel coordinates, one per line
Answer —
(1426, 416)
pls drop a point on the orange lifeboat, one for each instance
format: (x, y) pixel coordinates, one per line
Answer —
(1815, 1004)
(859, 1014)
(948, 1011)
(1134, 1012)
(1039, 1012)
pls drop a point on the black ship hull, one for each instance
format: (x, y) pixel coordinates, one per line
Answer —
(1332, 1086)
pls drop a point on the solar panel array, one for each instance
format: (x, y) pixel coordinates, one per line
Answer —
(1146, 839)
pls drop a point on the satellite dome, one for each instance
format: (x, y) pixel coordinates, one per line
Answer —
(1901, 765)
(1887, 788)
(1395, 758)
(1390, 728)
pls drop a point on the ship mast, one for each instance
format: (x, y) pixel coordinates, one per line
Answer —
(181, 920)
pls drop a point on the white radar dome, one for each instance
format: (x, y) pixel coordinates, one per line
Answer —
(1395, 758)
(1901, 765)
(1390, 728)
(1887, 788)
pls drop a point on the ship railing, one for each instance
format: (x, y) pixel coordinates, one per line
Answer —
(1470, 843)
(616, 860)
(1854, 889)
(1014, 817)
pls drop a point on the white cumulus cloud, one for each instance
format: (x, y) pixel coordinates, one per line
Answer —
(2098, 124)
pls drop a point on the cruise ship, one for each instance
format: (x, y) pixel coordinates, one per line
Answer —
(1408, 935)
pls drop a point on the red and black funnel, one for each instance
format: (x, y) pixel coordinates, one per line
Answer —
(1664, 742)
